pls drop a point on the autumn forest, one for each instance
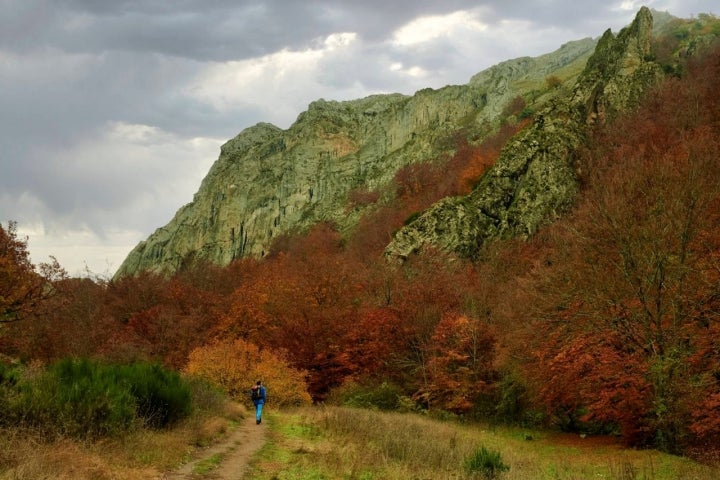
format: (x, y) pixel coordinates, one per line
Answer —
(604, 321)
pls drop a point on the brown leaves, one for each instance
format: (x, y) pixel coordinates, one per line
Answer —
(460, 363)
(23, 291)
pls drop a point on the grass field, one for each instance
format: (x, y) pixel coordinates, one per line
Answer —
(342, 443)
(327, 443)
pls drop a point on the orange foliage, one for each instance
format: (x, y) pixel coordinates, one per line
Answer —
(302, 300)
(460, 365)
(236, 365)
(611, 313)
(470, 162)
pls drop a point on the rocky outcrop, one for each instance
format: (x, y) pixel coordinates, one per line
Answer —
(268, 181)
(534, 179)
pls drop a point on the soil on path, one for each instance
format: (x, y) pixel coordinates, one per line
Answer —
(234, 452)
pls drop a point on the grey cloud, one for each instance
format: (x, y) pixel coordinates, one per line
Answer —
(222, 30)
(68, 68)
(201, 29)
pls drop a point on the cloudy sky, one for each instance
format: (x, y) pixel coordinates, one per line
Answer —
(112, 111)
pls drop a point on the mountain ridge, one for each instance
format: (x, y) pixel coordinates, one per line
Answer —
(268, 181)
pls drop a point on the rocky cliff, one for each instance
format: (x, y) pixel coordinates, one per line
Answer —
(534, 180)
(268, 181)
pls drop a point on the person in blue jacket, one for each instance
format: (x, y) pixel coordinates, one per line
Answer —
(258, 394)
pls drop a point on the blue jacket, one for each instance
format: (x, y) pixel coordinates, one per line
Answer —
(263, 394)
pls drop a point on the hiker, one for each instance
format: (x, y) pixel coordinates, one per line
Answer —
(258, 395)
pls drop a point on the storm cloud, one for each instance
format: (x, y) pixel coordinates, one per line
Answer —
(113, 112)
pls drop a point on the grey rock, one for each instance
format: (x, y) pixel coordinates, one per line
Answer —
(534, 180)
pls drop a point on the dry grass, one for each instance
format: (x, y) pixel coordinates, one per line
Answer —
(139, 455)
(28, 457)
(343, 443)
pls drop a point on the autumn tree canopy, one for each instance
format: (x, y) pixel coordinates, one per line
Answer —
(23, 289)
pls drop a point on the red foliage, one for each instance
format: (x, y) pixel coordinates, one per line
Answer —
(302, 300)
(374, 339)
(611, 313)
(23, 291)
(594, 377)
(515, 106)
(373, 233)
(360, 197)
(633, 304)
(165, 318)
(470, 162)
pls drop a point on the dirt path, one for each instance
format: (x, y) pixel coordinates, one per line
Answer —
(234, 454)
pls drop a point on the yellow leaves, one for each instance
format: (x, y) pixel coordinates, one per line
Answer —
(237, 365)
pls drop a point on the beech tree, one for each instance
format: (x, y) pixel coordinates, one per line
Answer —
(302, 300)
(460, 366)
(24, 290)
(71, 324)
(373, 341)
(596, 380)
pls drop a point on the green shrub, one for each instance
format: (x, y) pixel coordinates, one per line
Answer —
(526, 112)
(161, 397)
(86, 398)
(384, 396)
(77, 398)
(486, 463)
(9, 377)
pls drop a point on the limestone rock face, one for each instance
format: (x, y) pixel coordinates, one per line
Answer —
(268, 181)
(534, 179)
(501, 81)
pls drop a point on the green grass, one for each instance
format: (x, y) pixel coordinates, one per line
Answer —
(207, 465)
(350, 444)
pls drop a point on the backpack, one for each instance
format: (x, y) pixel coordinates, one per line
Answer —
(256, 393)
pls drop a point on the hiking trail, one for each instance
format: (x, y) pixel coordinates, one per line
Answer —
(235, 453)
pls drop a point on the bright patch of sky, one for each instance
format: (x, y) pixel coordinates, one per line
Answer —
(427, 29)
